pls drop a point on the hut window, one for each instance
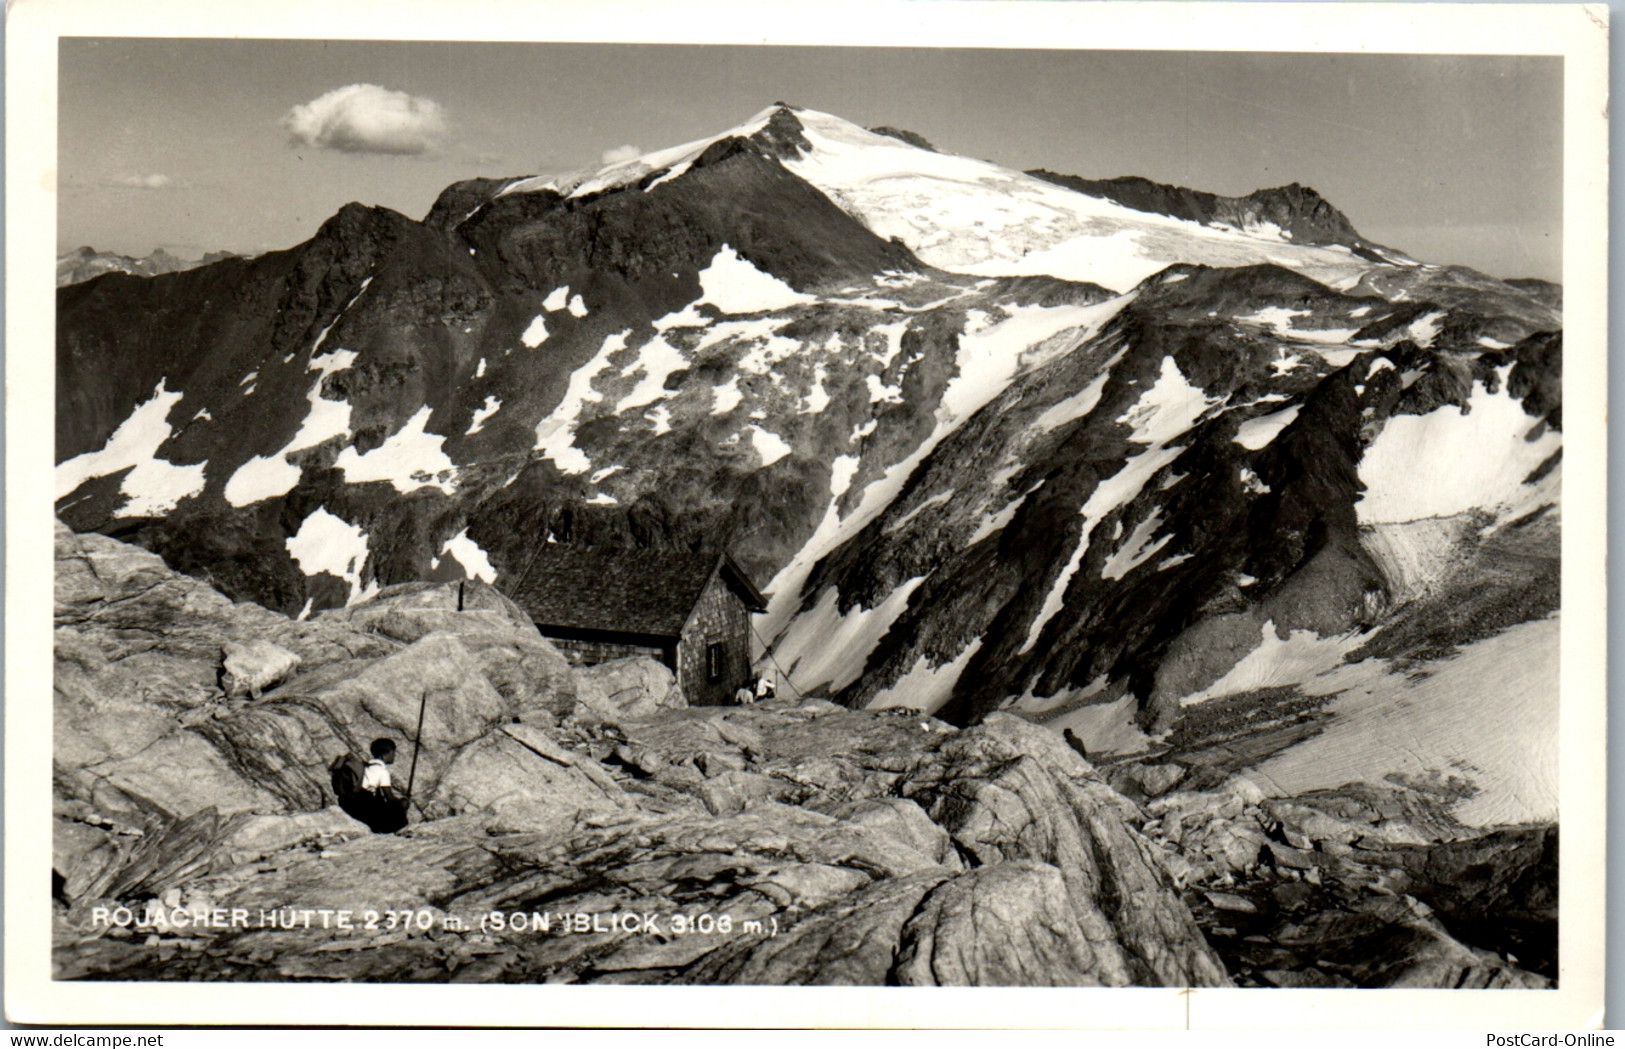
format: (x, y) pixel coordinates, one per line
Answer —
(713, 661)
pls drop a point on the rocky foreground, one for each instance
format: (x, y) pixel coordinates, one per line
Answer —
(794, 842)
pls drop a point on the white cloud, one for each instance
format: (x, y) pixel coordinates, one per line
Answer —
(366, 118)
(152, 181)
(620, 153)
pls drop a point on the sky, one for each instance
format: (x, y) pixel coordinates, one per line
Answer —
(249, 145)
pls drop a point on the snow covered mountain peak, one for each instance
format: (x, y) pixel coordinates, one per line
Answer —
(673, 161)
(973, 216)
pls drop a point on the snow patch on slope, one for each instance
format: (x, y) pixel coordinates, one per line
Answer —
(657, 359)
(1449, 460)
(817, 397)
(926, 688)
(935, 500)
(270, 476)
(476, 565)
(1251, 482)
(1135, 551)
(1424, 329)
(769, 445)
(1078, 405)
(767, 349)
(156, 486)
(997, 520)
(153, 486)
(1115, 491)
(1337, 358)
(841, 472)
(880, 393)
(1285, 364)
(1279, 320)
(262, 477)
(321, 336)
(408, 459)
(825, 649)
(1105, 728)
(555, 434)
(733, 285)
(1259, 431)
(1279, 661)
(1488, 713)
(328, 543)
(325, 419)
(1168, 409)
(491, 406)
(726, 398)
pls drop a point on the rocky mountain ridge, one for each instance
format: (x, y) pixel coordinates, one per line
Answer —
(1298, 212)
(991, 442)
(83, 263)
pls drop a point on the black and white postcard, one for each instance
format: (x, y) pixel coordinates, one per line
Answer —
(564, 507)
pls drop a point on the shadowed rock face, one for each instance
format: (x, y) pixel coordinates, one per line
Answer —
(1361, 886)
(998, 799)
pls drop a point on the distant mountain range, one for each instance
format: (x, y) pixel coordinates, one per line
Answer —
(81, 264)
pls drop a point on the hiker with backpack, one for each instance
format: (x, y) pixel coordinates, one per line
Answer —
(377, 776)
(365, 791)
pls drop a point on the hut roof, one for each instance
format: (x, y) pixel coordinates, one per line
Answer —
(649, 592)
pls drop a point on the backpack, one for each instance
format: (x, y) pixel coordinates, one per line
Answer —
(347, 773)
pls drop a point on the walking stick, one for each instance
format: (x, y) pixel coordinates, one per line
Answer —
(417, 744)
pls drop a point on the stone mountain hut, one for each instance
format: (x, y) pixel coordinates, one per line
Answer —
(690, 611)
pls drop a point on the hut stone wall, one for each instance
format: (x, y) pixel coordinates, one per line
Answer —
(719, 618)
